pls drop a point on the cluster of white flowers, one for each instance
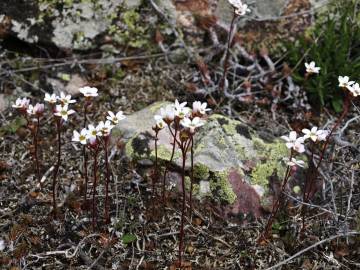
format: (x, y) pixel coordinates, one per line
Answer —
(352, 86)
(240, 8)
(296, 143)
(23, 106)
(93, 133)
(189, 118)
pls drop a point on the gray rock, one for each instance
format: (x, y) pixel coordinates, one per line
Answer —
(225, 152)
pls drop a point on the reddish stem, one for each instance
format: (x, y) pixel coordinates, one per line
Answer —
(56, 171)
(85, 157)
(181, 236)
(107, 216)
(156, 164)
(169, 163)
(192, 172)
(276, 205)
(36, 137)
(94, 189)
(227, 55)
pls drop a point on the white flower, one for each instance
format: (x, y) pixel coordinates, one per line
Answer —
(294, 162)
(2, 244)
(200, 108)
(50, 98)
(65, 99)
(240, 8)
(168, 113)
(115, 118)
(21, 103)
(354, 89)
(92, 132)
(104, 129)
(311, 68)
(63, 112)
(80, 137)
(344, 82)
(160, 124)
(314, 134)
(38, 109)
(192, 124)
(88, 91)
(292, 142)
(180, 110)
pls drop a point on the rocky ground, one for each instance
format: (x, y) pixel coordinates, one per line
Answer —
(140, 57)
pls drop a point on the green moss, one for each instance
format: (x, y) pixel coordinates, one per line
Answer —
(164, 153)
(272, 153)
(129, 150)
(201, 171)
(219, 184)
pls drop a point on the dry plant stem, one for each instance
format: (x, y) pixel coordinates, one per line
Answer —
(156, 164)
(191, 171)
(95, 165)
(309, 182)
(276, 205)
(227, 55)
(107, 206)
(56, 171)
(169, 163)
(36, 141)
(181, 235)
(85, 156)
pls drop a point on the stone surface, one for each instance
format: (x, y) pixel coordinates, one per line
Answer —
(229, 155)
(72, 25)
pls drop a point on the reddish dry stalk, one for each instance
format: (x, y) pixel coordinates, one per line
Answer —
(192, 172)
(94, 189)
(227, 55)
(309, 182)
(85, 156)
(156, 164)
(169, 163)
(107, 216)
(36, 137)
(56, 171)
(276, 205)
(181, 235)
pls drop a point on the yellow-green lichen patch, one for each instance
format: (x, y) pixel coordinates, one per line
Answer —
(219, 184)
(272, 155)
(164, 153)
(154, 108)
(201, 171)
(137, 147)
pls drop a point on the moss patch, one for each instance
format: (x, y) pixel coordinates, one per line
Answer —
(201, 171)
(219, 184)
(272, 154)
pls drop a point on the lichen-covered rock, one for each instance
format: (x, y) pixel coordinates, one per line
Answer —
(73, 24)
(226, 152)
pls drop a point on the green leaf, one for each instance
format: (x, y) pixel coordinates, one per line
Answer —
(337, 104)
(128, 238)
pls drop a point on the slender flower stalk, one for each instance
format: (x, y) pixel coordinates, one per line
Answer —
(107, 167)
(85, 154)
(57, 166)
(276, 206)
(191, 171)
(36, 142)
(95, 169)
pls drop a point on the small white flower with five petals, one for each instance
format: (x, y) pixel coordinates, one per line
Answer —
(292, 142)
(160, 124)
(50, 98)
(104, 129)
(344, 81)
(314, 134)
(65, 99)
(80, 137)
(200, 108)
(311, 67)
(180, 110)
(115, 118)
(88, 91)
(192, 124)
(63, 112)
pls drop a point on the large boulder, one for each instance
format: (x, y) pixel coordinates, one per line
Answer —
(232, 162)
